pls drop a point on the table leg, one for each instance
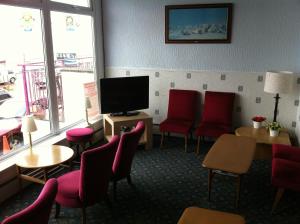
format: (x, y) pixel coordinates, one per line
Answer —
(162, 140)
(238, 191)
(45, 174)
(210, 177)
(19, 177)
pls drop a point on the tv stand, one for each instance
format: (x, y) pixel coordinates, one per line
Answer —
(112, 126)
(127, 113)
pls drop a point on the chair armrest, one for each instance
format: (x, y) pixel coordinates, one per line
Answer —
(287, 152)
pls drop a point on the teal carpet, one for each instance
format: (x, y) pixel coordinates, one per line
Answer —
(169, 180)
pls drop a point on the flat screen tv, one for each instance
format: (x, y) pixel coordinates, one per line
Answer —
(125, 95)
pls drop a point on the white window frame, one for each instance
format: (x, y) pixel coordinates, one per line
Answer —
(46, 7)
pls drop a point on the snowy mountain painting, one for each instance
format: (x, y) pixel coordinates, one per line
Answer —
(198, 24)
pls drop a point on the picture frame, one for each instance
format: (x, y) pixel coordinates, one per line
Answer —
(198, 23)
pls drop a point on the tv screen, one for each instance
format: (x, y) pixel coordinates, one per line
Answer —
(122, 95)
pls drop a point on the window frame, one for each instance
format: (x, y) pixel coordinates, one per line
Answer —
(46, 7)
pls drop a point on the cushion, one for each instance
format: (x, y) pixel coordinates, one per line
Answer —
(212, 130)
(68, 190)
(218, 107)
(286, 152)
(182, 104)
(286, 174)
(79, 134)
(176, 126)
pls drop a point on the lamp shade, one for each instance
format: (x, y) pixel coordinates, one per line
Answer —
(28, 124)
(278, 82)
(88, 104)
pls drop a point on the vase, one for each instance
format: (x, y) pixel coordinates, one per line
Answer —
(274, 133)
(256, 124)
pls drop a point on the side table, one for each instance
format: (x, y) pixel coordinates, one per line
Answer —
(38, 164)
(263, 140)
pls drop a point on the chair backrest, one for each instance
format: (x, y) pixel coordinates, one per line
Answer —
(96, 172)
(39, 211)
(182, 104)
(218, 107)
(126, 150)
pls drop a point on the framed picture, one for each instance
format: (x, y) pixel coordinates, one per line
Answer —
(202, 23)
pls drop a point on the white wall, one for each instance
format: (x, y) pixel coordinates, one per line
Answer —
(265, 36)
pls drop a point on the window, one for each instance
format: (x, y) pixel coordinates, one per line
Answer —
(38, 79)
(84, 3)
(22, 76)
(74, 62)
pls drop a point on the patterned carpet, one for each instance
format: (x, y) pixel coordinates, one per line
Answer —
(167, 181)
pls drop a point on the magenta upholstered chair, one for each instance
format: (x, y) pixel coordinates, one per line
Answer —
(125, 153)
(181, 113)
(217, 115)
(285, 170)
(87, 186)
(39, 211)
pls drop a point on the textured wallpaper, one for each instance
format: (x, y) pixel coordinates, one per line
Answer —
(250, 98)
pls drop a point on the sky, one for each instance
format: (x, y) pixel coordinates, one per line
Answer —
(192, 17)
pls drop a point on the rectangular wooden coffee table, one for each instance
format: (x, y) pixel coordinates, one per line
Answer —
(230, 155)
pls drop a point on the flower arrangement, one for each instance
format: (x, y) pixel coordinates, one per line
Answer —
(273, 126)
(258, 118)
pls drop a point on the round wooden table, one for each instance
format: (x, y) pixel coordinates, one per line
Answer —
(41, 161)
(263, 140)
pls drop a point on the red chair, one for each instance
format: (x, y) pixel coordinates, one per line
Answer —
(217, 115)
(125, 153)
(285, 170)
(39, 211)
(87, 186)
(181, 113)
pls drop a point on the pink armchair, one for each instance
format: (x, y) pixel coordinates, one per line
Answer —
(89, 185)
(122, 163)
(285, 170)
(39, 211)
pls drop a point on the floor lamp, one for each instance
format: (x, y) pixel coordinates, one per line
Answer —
(278, 82)
(28, 125)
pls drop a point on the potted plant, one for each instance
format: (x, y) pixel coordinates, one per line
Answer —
(274, 128)
(257, 121)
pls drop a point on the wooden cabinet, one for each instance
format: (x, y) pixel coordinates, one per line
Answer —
(112, 126)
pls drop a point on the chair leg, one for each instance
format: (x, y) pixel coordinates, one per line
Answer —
(83, 218)
(57, 210)
(115, 190)
(278, 196)
(191, 136)
(82, 144)
(129, 179)
(108, 202)
(198, 146)
(162, 140)
(185, 143)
